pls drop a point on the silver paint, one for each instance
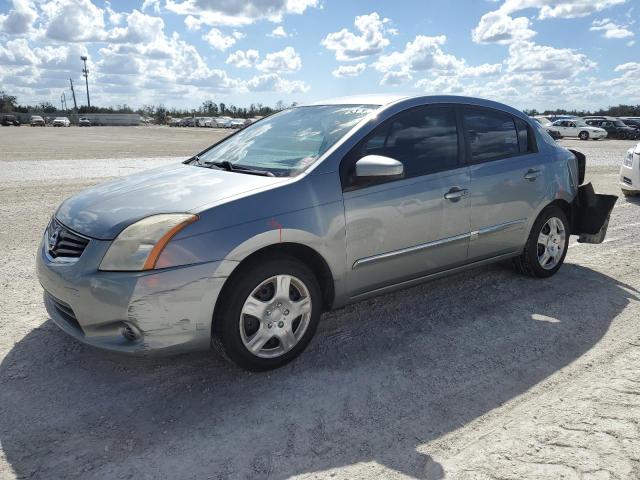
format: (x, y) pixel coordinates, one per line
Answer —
(372, 240)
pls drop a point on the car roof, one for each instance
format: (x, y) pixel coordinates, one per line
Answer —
(384, 100)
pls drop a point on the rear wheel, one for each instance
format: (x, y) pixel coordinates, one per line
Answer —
(584, 135)
(270, 314)
(546, 246)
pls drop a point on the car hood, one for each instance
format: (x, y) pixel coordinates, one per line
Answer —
(103, 211)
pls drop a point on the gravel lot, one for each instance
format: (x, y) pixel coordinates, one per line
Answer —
(478, 376)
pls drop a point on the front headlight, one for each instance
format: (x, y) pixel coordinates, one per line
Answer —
(139, 246)
(628, 159)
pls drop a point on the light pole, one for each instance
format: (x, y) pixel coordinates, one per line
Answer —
(85, 73)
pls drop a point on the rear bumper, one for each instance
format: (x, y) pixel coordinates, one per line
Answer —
(590, 214)
(162, 312)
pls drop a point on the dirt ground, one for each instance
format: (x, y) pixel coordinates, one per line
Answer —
(483, 375)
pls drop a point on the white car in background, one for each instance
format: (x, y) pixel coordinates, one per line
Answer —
(577, 128)
(237, 123)
(630, 172)
(61, 122)
(222, 122)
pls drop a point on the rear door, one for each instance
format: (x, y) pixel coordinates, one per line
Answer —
(404, 228)
(507, 181)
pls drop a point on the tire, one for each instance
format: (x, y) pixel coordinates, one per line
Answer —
(530, 260)
(630, 194)
(260, 285)
(583, 135)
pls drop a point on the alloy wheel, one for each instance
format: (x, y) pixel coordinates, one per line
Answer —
(275, 316)
(551, 243)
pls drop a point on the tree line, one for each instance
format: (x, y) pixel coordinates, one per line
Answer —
(209, 108)
(160, 113)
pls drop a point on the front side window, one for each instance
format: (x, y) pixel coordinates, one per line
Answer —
(288, 142)
(424, 139)
(492, 134)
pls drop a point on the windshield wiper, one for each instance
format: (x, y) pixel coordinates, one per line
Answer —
(229, 167)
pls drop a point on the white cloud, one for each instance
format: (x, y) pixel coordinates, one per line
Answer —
(371, 39)
(219, 40)
(552, 63)
(20, 18)
(73, 21)
(244, 59)
(274, 83)
(278, 32)
(497, 27)
(559, 8)
(611, 30)
(284, 61)
(349, 70)
(237, 13)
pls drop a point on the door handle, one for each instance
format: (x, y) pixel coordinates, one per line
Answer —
(532, 174)
(455, 194)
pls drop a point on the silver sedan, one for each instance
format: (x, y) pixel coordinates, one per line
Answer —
(244, 245)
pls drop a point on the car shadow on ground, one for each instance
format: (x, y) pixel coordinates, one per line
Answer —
(381, 379)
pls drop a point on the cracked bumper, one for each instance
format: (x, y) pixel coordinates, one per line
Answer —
(158, 312)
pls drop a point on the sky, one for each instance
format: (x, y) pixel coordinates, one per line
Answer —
(581, 54)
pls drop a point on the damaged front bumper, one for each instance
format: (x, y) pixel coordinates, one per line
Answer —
(153, 312)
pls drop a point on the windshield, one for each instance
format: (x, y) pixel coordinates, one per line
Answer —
(288, 142)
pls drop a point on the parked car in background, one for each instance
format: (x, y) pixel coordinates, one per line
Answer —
(542, 120)
(614, 127)
(237, 123)
(630, 172)
(577, 128)
(222, 122)
(174, 122)
(61, 122)
(10, 120)
(631, 122)
(84, 122)
(187, 122)
(556, 135)
(36, 121)
(244, 245)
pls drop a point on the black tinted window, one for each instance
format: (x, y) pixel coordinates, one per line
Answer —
(491, 134)
(524, 142)
(425, 140)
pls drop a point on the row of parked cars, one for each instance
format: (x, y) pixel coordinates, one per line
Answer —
(592, 127)
(39, 121)
(212, 122)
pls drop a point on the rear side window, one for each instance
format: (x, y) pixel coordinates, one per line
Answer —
(424, 139)
(525, 142)
(491, 134)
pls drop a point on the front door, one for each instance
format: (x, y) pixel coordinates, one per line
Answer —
(406, 228)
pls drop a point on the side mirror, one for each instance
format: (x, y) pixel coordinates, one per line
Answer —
(377, 166)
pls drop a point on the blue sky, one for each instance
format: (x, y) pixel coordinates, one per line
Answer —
(528, 53)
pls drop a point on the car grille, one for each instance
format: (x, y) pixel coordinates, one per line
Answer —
(63, 243)
(627, 180)
(65, 312)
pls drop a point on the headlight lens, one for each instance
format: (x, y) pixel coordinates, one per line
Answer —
(628, 159)
(139, 246)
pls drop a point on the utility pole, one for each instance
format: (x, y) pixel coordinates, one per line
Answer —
(63, 102)
(73, 93)
(85, 73)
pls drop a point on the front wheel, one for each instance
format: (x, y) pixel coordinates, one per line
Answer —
(547, 245)
(584, 136)
(270, 313)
